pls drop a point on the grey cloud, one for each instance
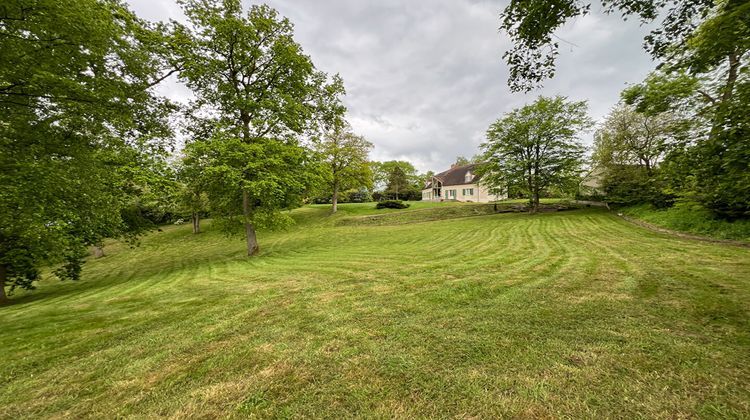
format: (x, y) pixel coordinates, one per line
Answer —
(425, 78)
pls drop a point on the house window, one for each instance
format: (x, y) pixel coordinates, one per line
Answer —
(468, 191)
(451, 194)
(468, 177)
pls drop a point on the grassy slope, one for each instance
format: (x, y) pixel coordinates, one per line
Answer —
(691, 218)
(577, 314)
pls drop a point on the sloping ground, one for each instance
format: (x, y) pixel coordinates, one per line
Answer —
(423, 215)
(457, 210)
(570, 314)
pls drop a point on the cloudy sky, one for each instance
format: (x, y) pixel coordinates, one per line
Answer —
(425, 78)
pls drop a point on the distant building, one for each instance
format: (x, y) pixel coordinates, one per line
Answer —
(591, 183)
(459, 183)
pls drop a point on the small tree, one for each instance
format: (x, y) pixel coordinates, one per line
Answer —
(462, 160)
(192, 192)
(346, 162)
(536, 147)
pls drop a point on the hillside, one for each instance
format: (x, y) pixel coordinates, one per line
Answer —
(574, 314)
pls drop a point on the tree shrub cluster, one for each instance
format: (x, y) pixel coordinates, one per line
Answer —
(391, 204)
(681, 135)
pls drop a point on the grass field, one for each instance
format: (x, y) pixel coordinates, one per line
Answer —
(571, 314)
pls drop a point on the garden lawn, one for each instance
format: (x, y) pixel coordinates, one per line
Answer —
(569, 314)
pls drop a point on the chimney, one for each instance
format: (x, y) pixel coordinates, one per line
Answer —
(454, 165)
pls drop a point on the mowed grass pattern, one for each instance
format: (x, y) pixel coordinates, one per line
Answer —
(571, 314)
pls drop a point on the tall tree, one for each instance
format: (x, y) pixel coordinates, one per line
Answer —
(397, 181)
(79, 123)
(192, 193)
(628, 137)
(346, 162)
(382, 171)
(260, 94)
(536, 147)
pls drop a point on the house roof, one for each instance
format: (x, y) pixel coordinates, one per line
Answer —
(457, 175)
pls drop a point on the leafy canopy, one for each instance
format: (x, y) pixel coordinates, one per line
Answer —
(81, 129)
(259, 98)
(536, 147)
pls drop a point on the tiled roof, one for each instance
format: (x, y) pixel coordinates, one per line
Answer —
(457, 175)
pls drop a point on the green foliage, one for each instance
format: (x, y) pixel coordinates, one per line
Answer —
(269, 172)
(706, 78)
(628, 137)
(397, 181)
(391, 204)
(360, 195)
(382, 171)
(536, 147)
(461, 160)
(531, 25)
(632, 184)
(662, 93)
(258, 96)
(80, 128)
(346, 162)
(691, 217)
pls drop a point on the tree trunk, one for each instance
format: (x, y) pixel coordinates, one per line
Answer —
(534, 202)
(252, 240)
(3, 275)
(535, 195)
(196, 218)
(734, 65)
(727, 91)
(335, 198)
(530, 185)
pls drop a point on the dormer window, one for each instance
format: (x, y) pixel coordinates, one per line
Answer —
(468, 177)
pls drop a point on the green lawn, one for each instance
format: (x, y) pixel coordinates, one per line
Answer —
(571, 314)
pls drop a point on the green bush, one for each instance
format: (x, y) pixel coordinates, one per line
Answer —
(391, 204)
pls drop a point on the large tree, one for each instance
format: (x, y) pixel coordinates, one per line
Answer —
(398, 182)
(347, 166)
(382, 171)
(628, 137)
(536, 147)
(79, 129)
(258, 94)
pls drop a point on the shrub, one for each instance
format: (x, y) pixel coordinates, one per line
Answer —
(391, 204)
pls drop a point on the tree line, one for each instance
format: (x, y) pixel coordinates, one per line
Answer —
(682, 135)
(87, 146)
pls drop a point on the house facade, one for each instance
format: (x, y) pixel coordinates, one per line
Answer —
(459, 183)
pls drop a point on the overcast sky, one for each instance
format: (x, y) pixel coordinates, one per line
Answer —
(425, 78)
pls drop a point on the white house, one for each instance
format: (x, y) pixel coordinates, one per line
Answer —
(460, 183)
